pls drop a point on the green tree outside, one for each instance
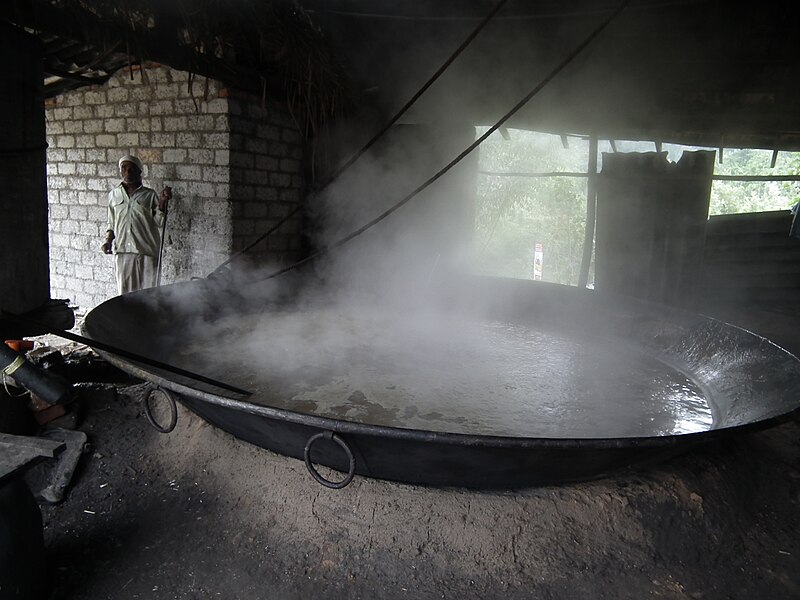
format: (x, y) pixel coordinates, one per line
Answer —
(513, 213)
(729, 197)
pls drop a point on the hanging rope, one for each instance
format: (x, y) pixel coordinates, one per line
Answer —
(548, 78)
(377, 136)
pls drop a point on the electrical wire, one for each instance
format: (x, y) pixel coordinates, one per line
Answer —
(8, 391)
(378, 135)
(518, 17)
(549, 77)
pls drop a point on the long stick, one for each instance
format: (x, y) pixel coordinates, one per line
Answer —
(124, 353)
(161, 248)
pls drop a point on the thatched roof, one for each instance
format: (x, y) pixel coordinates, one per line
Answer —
(705, 72)
(267, 47)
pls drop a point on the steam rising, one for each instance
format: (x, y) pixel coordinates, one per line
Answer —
(441, 372)
(380, 331)
(375, 334)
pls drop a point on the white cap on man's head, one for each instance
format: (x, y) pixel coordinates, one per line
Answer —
(135, 160)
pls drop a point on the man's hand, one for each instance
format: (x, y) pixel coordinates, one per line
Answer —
(106, 247)
(164, 198)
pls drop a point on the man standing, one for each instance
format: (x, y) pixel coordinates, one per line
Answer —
(135, 215)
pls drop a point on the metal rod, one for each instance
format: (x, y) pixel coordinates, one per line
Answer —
(746, 178)
(591, 214)
(756, 177)
(519, 174)
(124, 353)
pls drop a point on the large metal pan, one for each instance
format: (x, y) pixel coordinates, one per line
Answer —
(748, 383)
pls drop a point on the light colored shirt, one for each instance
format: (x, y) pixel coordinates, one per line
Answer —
(135, 221)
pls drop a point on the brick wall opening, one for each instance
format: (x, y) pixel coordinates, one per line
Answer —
(234, 162)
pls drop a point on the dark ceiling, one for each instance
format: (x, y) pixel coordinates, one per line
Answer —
(714, 73)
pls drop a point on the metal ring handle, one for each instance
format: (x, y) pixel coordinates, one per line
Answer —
(335, 485)
(173, 409)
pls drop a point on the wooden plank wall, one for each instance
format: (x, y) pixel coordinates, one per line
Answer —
(651, 219)
(24, 254)
(750, 260)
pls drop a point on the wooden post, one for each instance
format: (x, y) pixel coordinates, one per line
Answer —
(591, 212)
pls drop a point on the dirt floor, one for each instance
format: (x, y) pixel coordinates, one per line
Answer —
(199, 514)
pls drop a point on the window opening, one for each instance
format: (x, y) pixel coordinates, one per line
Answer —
(530, 214)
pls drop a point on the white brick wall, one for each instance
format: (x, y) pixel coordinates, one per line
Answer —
(265, 158)
(216, 152)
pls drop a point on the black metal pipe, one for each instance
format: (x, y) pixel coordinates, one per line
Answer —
(125, 354)
(47, 386)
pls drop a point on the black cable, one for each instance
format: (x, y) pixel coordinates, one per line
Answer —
(378, 135)
(519, 17)
(463, 154)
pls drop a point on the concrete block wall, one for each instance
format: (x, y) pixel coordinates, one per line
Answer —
(193, 138)
(266, 180)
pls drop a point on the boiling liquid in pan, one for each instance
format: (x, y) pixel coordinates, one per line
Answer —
(440, 374)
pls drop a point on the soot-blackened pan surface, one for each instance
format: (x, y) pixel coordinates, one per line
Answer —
(489, 383)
